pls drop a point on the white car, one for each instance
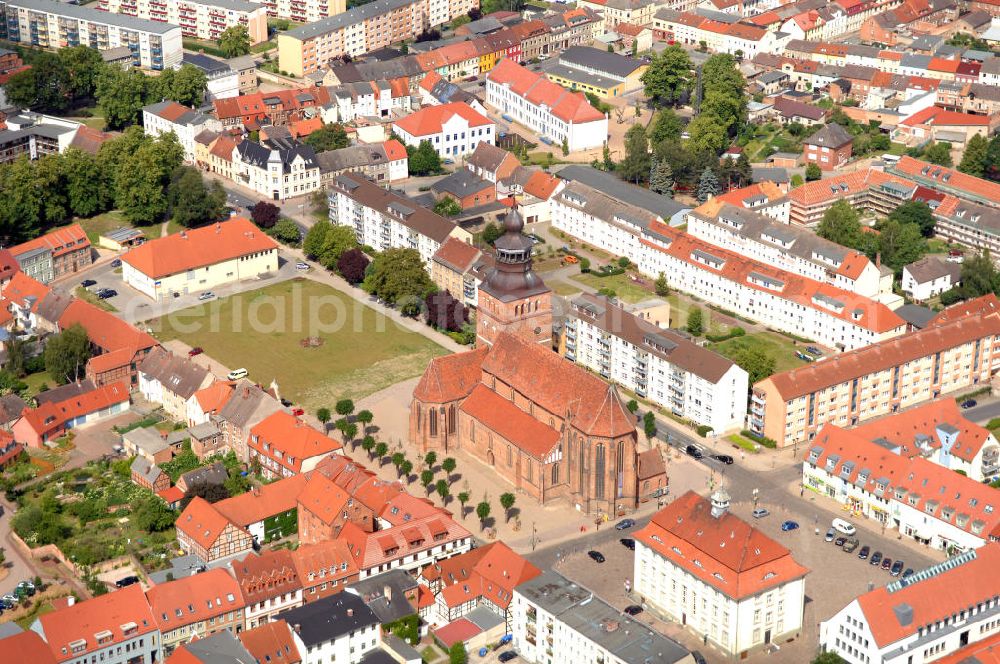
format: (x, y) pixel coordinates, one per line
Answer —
(236, 374)
(301, 266)
(207, 295)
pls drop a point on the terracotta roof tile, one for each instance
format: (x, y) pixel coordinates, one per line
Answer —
(26, 646)
(903, 428)
(267, 501)
(50, 416)
(323, 498)
(104, 329)
(459, 256)
(271, 642)
(329, 559)
(510, 422)
(289, 441)
(431, 119)
(185, 601)
(201, 522)
(563, 104)
(450, 377)
(59, 241)
(265, 576)
(940, 117)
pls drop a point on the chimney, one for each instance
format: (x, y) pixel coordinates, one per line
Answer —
(387, 592)
(218, 227)
(246, 392)
(297, 627)
(350, 613)
(70, 601)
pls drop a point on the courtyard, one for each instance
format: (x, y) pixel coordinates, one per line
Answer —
(317, 343)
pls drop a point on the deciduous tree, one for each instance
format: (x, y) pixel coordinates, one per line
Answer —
(265, 214)
(507, 501)
(842, 225)
(234, 41)
(66, 353)
(398, 277)
(695, 322)
(668, 77)
(328, 137)
(352, 265)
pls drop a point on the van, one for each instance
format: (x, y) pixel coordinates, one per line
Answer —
(236, 374)
(844, 527)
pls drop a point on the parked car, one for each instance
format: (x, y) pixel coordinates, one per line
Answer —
(789, 525)
(724, 458)
(633, 610)
(969, 403)
(87, 283)
(298, 412)
(760, 513)
(628, 543)
(126, 581)
(26, 588)
(876, 558)
(596, 556)
(897, 568)
(851, 544)
(9, 601)
(236, 374)
(106, 293)
(207, 295)
(625, 524)
(301, 266)
(197, 350)
(813, 350)
(507, 656)
(694, 452)
(908, 572)
(886, 563)
(830, 534)
(863, 553)
(116, 262)
(698, 657)
(287, 403)
(839, 541)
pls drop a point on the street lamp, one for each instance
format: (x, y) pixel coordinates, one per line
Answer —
(756, 495)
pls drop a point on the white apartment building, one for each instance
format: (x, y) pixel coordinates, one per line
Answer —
(276, 173)
(222, 81)
(659, 364)
(556, 621)
(790, 248)
(739, 597)
(730, 280)
(52, 24)
(380, 99)
(912, 495)
(340, 628)
(203, 19)
(691, 29)
(169, 116)
(949, 609)
(929, 276)
(384, 220)
(453, 129)
(558, 115)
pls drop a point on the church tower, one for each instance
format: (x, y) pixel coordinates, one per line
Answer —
(513, 298)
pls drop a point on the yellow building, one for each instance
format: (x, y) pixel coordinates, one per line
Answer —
(200, 259)
(592, 70)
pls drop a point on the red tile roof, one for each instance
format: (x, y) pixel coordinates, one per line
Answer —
(940, 117)
(456, 631)
(51, 416)
(394, 150)
(933, 599)
(200, 247)
(324, 560)
(935, 488)
(104, 329)
(726, 552)
(883, 355)
(984, 304)
(955, 178)
(21, 287)
(171, 495)
(986, 651)
(265, 576)
(431, 119)
(258, 504)
(201, 522)
(215, 396)
(458, 255)
(194, 598)
(541, 185)
(26, 646)
(822, 191)
(290, 441)
(370, 550)
(322, 498)
(171, 111)
(272, 643)
(902, 428)
(108, 616)
(60, 241)
(490, 572)
(510, 422)
(451, 377)
(570, 107)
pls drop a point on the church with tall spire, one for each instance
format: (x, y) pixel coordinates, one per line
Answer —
(547, 426)
(513, 298)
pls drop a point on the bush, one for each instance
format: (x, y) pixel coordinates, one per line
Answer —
(763, 440)
(731, 334)
(584, 265)
(704, 429)
(623, 262)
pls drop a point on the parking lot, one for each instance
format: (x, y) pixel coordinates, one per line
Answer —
(133, 306)
(835, 578)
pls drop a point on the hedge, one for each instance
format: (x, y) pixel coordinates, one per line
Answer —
(732, 333)
(703, 430)
(763, 440)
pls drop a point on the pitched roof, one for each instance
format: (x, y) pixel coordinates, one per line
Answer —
(570, 107)
(289, 440)
(410, 214)
(457, 255)
(26, 646)
(724, 552)
(175, 373)
(266, 575)
(329, 618)
(218, 648)
(194, 599)
(59, 241)
(261, 503)
(213, 397)
(830, 135)
(25, 292)
(104, 329)
(50, 416)
(490, 572)
(939, 117)
(105, 616)
(489, 157)
(510, 422)
(431, 119)
(883, 355)
(199, 247)
(322, 498)
(271, 642)
(921, 427)
(370, 550)
(650, 464)
(942, 177)
(842, 186)
(89, 139)
(247, 404)
(792, 109)
(202, 522)
(928, 269)
(462, 183)
(330, 558)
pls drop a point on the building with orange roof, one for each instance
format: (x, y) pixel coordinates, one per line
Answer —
(986, 651)
(459, 268)
(26, 646)
(485, 576)
(59, 252)
(52, 419)
(203, 531)
(208, 401)
(555, 113)
(100, 628)
(164, 117)
(267, 512)
(935, 123)
(22, 296)
(695, 552)
(283, 445)
(270, 584)
(938, 432)
(324, 568)
(920, 499)
(382, 162)
(324, 508)
(408, 546)
(948, 180)
(749, 37)
(195, 607)
(867, 189)
(200, 259)
(453, 129)
(271, 642)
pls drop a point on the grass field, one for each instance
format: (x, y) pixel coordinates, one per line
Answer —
(82, 293)
(365, 353)
(35, 382)
(775, 345)
(102, 223)
(626, 289)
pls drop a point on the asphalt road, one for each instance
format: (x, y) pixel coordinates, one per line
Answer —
(984, 412)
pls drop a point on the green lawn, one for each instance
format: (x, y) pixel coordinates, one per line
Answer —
(35, 381)
(563, 288)
(626, 289)
(365, 353)
(82, 293)
(102, 223)
(776, 345)
(202, 45)
(153, 232)
(679, 308)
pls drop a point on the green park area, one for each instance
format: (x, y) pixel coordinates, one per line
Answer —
(320, 344)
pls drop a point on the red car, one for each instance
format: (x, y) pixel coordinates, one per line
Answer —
(197, 350)
(298, 412)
